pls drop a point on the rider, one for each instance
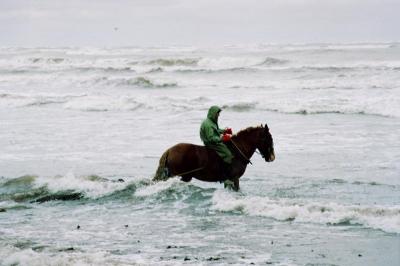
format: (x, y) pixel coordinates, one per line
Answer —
(214, 137)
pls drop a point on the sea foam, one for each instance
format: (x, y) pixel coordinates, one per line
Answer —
(331, 213)
(91, 186)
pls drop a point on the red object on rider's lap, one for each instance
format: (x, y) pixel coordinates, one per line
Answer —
(226, 138)
(228, 130)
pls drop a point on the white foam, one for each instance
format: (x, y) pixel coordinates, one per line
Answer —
(157, 187)
(228, 62)
(91, 187)
(28, 257)
(377, 217)
(21, 100)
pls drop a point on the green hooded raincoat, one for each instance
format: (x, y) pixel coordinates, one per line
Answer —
(210, 135)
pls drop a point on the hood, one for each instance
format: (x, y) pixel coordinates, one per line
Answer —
(212, 113)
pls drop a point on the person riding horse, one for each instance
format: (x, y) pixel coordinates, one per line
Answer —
(196, 161)
(204, 162)
(214, 138)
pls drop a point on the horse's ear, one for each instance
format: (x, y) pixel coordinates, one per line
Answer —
(266, 127)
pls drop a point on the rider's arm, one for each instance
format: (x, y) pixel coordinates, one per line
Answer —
(212, 135)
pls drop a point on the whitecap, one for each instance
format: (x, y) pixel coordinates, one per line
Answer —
(386, 218)
(158, 187)
(91, 187)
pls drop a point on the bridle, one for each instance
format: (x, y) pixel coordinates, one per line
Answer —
(264, 142)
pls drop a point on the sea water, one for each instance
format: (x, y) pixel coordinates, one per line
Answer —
(82, 130)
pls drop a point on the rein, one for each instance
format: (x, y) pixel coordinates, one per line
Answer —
(241, 153)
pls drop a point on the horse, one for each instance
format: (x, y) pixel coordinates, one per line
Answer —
(194, 161)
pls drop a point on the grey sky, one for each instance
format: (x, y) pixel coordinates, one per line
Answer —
(190, 22)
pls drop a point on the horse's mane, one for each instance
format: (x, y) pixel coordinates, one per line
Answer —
(246, 131)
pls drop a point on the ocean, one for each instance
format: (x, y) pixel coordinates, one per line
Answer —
(82, 130)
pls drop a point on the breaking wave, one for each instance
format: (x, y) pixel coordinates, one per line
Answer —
(34, 189)
(333, 111)
(215, 71)
(103, 104)
(378, 217)
(311, 110)
(20, 100)
(174, 62)
(147, 83)
(48, 60)
(139, 82)
(105, 69)
(271, 61)
(240, 106)
(127, 103)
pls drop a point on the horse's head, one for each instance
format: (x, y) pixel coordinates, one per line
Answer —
(266, 144)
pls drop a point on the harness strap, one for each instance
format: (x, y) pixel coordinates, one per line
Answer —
(244, 156)
(191, 171)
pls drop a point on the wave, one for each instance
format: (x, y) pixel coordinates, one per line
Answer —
(220, 65)
(104, 104)
(231, 64)
(34, 189)
(394, 45)
(56, 255)
(31, 189)
(147, 83)
(155, 70)
(341, 112)
(20, 100)
(327, 111)
(271, 61)
(48, 60)
(174, 62)
(347, 68)
(107, 103)
(241, 106)
(378, 217)
(141, 82)
(106, 69)
(255, 105)
(214, 71)
(17, 71)
(270, 64)
(174, 190)
(308, 112)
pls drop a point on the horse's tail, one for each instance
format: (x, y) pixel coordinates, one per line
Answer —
(162, 172)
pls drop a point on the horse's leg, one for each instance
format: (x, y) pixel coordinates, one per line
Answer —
(232, 184)
(236, 184)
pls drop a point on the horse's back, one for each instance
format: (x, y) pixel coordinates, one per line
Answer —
(189, 149)
(184, 157)
(183, 152)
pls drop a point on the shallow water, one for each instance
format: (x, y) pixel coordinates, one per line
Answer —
(74, 121)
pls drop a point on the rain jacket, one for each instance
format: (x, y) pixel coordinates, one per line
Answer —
(210, 135)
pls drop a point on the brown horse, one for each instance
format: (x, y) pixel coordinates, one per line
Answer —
(188, 160)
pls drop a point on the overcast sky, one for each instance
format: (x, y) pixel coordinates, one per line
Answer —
(196, 22)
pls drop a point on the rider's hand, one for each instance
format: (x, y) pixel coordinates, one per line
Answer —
(228, 130)
(226, 137)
